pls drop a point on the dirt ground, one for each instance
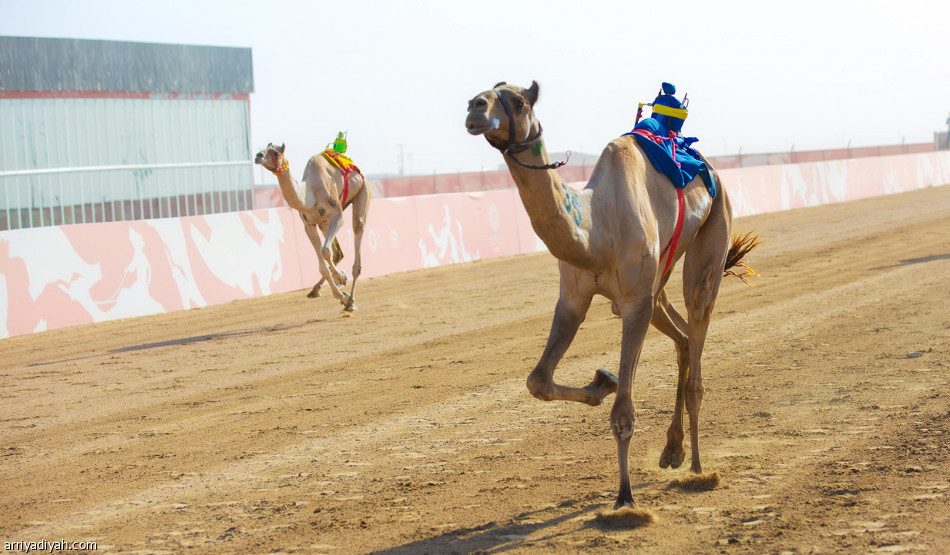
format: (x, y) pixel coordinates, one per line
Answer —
(281, 424)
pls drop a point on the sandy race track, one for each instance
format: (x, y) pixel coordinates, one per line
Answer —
(281, 424)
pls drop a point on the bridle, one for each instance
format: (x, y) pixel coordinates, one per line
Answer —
(514, 147)
(282, 166)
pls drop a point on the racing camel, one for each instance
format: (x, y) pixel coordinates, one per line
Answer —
(609, 240)
(326, 191)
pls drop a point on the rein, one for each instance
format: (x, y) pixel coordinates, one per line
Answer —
(514, 147)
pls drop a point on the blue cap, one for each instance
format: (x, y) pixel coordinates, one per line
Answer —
(668, 88)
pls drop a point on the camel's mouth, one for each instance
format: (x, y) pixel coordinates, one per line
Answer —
(478, 128)
(473, 130)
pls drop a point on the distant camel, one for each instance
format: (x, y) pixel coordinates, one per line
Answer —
(609, 239)
(326, 191)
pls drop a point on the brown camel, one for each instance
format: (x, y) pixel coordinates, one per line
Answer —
(321, 199)
(608, 239)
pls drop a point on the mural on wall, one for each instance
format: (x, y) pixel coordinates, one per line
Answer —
(61, 276)
(53, 277)
(449, 244)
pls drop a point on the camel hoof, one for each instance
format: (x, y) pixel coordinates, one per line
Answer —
(347, 301)
(314, 293)
(603, 385)
(625, 501)
(673, 456)
(605, 380)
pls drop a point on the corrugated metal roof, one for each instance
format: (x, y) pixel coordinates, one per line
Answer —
(44, 64)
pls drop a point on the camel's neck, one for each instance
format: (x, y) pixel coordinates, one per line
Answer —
(559, 215)
(288, 188)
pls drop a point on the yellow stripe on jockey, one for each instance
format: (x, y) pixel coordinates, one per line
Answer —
(678, 113)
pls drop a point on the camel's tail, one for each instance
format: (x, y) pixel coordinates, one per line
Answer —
(337, 252)
(740, 246)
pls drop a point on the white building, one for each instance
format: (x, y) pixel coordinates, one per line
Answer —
(95, 131)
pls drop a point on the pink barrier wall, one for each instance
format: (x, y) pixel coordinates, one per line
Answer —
(268, 197)
(62, 276)
(763, 189)
(801, 157)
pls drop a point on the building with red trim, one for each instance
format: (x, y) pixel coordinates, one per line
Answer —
(94, 130)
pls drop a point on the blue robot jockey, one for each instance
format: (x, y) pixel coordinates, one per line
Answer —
(659, 135)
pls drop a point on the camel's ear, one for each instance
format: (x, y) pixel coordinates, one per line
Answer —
(531, 94)
(280, 149)
(499, 84)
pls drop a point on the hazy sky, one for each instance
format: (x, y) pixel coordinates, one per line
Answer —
(398, 74)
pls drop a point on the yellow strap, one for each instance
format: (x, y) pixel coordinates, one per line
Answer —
(337, 159)
(678, 113)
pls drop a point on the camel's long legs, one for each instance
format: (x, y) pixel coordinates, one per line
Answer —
(360, 211)
(636, 314)
(702, 274)
(337, 256)
(670, 323)
(327, 269)
(315, 291)
(568, 316)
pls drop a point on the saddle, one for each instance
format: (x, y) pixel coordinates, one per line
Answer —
(346, 167)
(672, 155)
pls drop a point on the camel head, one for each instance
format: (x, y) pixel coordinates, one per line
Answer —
(504, 114)
(270, 157)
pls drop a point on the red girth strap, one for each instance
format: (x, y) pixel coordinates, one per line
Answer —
(670, 249)
(351, 168)
(346, 189)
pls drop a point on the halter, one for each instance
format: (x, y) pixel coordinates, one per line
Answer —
(282, 167)
(514, 147)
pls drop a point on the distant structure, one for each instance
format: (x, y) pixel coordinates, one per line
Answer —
(95, 131)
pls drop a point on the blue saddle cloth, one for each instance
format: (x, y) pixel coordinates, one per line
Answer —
(672, 157)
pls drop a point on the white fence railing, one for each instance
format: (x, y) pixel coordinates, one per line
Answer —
(90, 194)
(98, 159)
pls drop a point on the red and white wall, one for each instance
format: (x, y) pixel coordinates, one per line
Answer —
(763, 189)
(62, 276)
